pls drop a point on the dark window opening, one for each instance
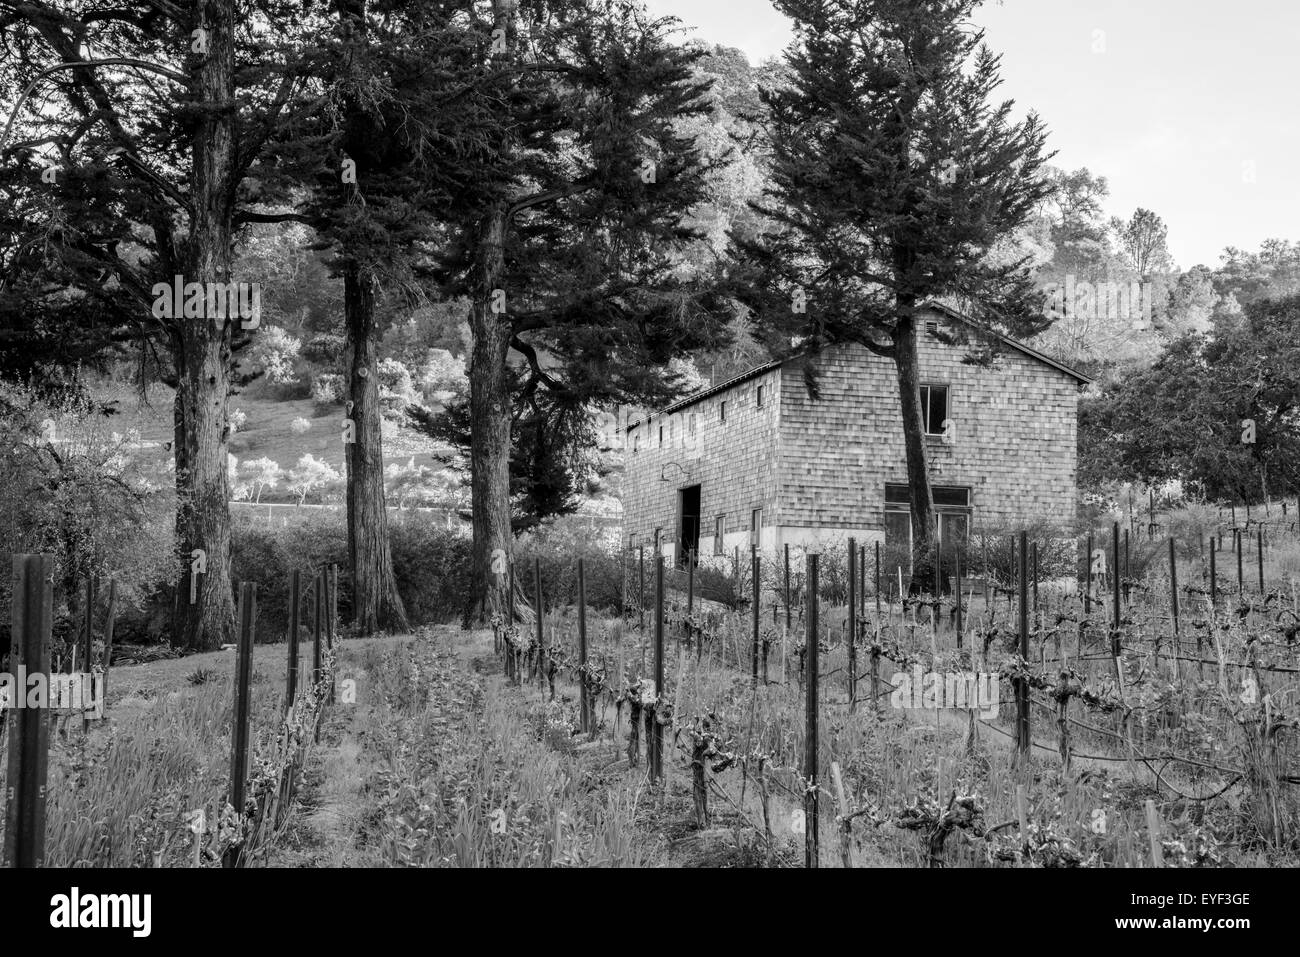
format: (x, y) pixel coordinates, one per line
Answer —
(719, 527)
(722, 408)
(760, 397)
(934, 408)
(688, 522)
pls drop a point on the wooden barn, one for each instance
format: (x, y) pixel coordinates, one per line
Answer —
(756, 460)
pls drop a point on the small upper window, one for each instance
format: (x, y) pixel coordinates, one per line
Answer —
(661, 436)
(934, 408)
(760, 397)
(722, 407)
(932, 326)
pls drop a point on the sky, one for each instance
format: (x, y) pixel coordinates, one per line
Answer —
(1190, 108)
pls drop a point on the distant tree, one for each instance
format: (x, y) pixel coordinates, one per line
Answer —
(1143, 238)
(1190, 414)
(262, 474)
(309, 475)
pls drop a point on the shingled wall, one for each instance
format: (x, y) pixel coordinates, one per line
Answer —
(733, 462)
(818, 468)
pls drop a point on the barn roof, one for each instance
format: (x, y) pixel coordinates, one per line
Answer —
(766, 367)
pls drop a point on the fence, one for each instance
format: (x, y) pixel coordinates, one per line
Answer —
(257, 803)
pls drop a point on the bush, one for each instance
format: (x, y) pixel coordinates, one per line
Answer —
(431, 566)
(396, 388)
(73, 488)
(274, 352)
(325, 349)
(327, 388)
(557, 547)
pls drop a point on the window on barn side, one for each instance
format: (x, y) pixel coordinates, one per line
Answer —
(722, 408)
(755, 526)
(719, 526)
(760, 397)
(934, 408)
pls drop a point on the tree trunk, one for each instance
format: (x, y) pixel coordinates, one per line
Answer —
(376, 605)
(203, 347)
(907, 367)
(489, 435)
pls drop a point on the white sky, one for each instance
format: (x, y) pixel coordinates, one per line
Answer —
(1192, 109)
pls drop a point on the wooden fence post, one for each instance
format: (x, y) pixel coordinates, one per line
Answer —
(1173, 593)
(810, 719)
(1115, 647)
(1214, 582)
(1260, 559)
(878, 583)
(539, 669)
(1087, 594)
(1033, 558)
(584, 713)
(89, 656)
(333, 617)
(295, 600)
(318, 624)
(754, 563)
(1236, 543)
(956, 574)
(1022, 685)
(1153, 834)
(787, 594)
(234, 856)
(29, 728)
(853, 624)
(110, 623)
(655, 741)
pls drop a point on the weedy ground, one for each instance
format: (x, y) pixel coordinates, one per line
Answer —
(440, 760)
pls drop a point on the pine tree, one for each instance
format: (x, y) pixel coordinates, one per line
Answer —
(892, 176)
(155, 113)
(378, 172)
(569, 242)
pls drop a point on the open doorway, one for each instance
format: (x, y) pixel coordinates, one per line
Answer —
(688, 524)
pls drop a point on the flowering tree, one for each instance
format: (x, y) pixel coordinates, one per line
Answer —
(309, 475)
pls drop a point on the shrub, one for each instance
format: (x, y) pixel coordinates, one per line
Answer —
(327, 388)
(557, 546)
(431, 566)
(72, 488)
(396, 389)
(274, 352)
(325, 349)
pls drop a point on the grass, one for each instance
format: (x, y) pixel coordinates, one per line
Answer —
(442, 762)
